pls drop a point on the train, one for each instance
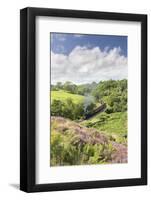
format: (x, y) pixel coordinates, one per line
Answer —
(100, 108)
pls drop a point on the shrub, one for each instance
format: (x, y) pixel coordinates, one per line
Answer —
(109, 110)
(68, 150)
(67, 109)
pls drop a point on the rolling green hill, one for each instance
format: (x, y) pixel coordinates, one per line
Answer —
(64, 95)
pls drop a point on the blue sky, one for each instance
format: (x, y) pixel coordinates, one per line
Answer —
(66, 42)
(82, 58)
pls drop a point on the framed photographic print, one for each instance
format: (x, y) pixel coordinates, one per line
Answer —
(83, 99)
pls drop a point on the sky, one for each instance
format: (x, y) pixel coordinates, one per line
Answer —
(83, 58)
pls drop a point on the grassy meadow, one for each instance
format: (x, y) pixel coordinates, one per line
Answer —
(63, 95)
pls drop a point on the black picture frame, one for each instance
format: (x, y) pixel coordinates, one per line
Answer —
(28, 99)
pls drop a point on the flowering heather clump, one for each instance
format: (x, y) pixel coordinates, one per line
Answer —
(74, 144)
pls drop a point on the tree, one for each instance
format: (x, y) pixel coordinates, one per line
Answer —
(57, 108)
(59, 85)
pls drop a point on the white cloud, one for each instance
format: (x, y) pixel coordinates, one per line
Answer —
(85, 65)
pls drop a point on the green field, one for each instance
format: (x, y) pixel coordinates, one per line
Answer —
(64, 95)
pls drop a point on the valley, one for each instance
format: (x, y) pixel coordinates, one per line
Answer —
(88, 123)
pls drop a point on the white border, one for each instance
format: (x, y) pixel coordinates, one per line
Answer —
(47, 174)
